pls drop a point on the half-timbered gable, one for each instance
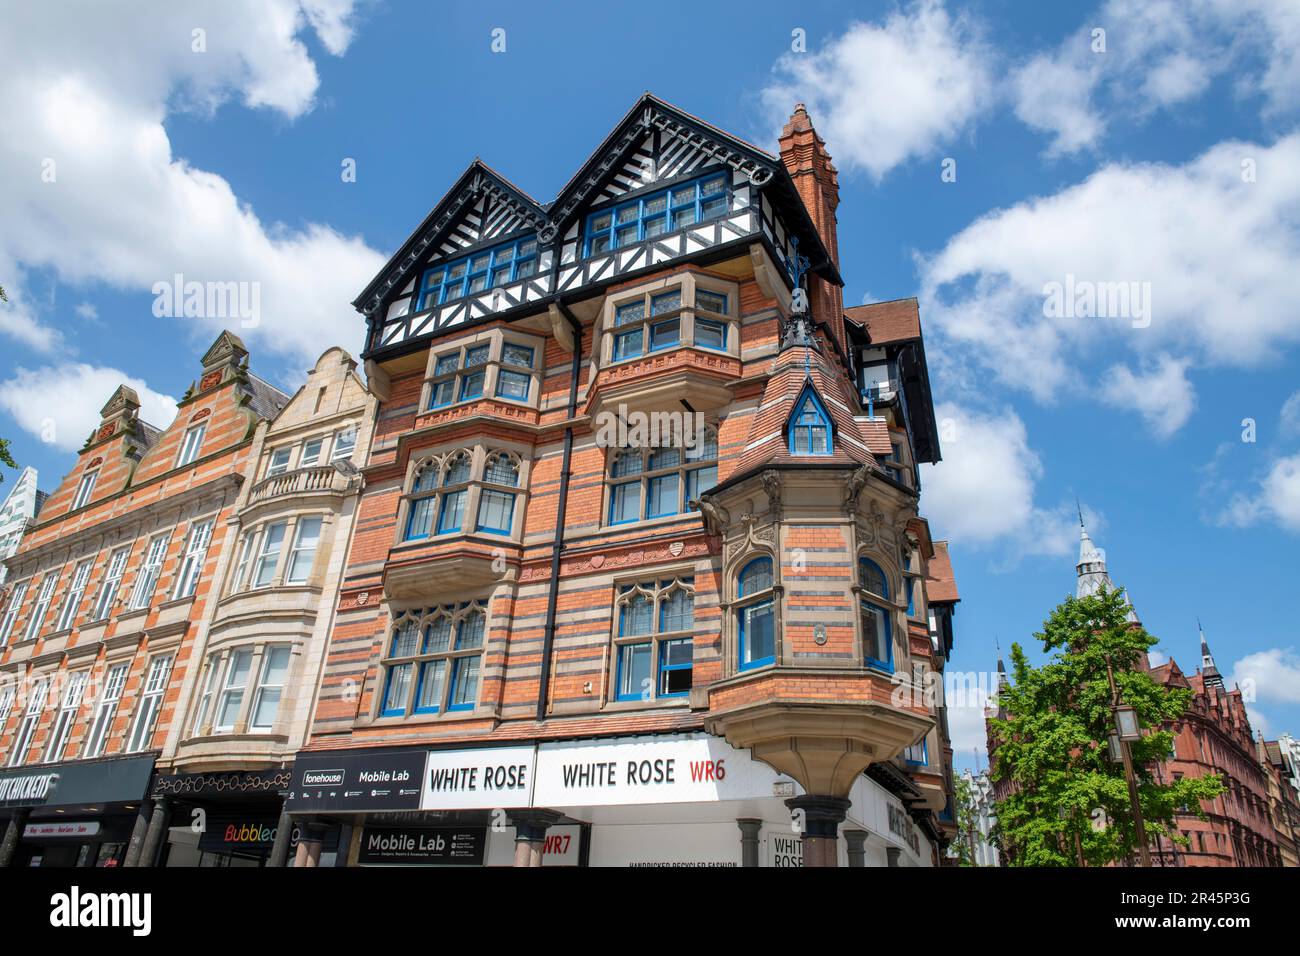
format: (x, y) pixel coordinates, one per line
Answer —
(662, 187)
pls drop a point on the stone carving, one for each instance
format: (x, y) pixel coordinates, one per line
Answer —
(716, 517)
(772, 488)
(854, 484)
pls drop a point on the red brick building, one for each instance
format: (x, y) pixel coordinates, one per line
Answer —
(1213, 737)
(107, 589)
(638, 574)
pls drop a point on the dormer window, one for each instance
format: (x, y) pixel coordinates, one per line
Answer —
(489, 269)
(84, 489)
(810, 430)
(191, 445)
(656, 214)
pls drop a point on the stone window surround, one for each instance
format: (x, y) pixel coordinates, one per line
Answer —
(479, 451)
(217, 658)
(395, 613)
(684, 466)
(253, 533)
(673, 573)
(496, 340)
(688, 280)
(298, 442)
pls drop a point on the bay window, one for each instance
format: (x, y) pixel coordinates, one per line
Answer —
(877, 630)
(105, 711)
(488, 364)
(268, 554)
(656, 482)
(434, 660)
(447, 490)
(654, 645)
(270, 687)
(208, 685)
(302, 555)
(238, 666)
(755, 614)
(664, 317)
(311, 451)
(278, 463)
(345, 443)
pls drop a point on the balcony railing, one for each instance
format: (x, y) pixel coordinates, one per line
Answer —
(299, 481)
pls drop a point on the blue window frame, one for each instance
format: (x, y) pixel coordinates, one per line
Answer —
(877, 628)
(656, 214)
(918, 754)
(710, 334)
(496, 511)
(478, 272)
(661, 482)
(654, 647)
(810, 428)
(452, 512)
(872, 578)
(446, 677)
(756, 621)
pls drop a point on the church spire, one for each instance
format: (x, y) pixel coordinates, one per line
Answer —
(1091, 573)
(1209, 672)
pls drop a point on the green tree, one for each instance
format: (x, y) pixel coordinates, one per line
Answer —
(1070, 802)
(5, 457)
(968, 834)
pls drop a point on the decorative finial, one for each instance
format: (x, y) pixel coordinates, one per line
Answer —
(1079, 507)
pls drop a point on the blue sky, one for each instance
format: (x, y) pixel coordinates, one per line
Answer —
(1170, 158)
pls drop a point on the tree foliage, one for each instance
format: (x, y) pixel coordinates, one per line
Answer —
(968, 834)
(1051, 742)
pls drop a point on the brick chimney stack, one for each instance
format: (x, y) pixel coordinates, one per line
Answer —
(818, 183)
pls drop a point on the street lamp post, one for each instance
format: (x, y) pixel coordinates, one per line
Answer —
(1127, 729)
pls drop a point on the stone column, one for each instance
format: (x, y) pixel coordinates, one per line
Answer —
(345, 844)
(283, 836)
(13, 833)
(893, 853)
(138, 831)
(856, 839)
(157, 833)
(749, 841)
(821, 819)
(313, 835)
(530, 834)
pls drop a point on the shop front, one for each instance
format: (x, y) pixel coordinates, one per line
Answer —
(81, 813)
(224, 819)
(672, 800)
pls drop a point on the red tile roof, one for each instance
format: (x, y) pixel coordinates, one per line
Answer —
(940, 584)
(896, 321)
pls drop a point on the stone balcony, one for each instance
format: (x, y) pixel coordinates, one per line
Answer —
(326, 479)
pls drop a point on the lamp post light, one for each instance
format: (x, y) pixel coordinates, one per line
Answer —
(1127, 729)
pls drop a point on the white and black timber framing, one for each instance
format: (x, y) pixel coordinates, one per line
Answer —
(654, 147)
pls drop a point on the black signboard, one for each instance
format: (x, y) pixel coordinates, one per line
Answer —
(251, 834)
(356, 781)
(436, 846)
(88, 783)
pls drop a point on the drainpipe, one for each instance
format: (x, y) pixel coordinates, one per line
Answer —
(552, 598)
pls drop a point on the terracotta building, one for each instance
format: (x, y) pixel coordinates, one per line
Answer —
(109, 585)
(1212, 737)
(638, 575)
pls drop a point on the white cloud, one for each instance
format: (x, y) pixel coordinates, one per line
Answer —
(982, 493)
(90, 90)
(966, 728)
(1276, 499)
(60, 403)
(1290, 415)
(1160, 393)
(1273, 674)
(1217, 253)
(87, 311)
(1157, 657)
(889, 92)
(1159, 55)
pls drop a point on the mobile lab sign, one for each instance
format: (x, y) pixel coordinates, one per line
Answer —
(479, 779)
(358, 780)
(634, 770)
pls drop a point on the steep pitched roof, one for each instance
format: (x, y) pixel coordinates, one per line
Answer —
(267, 400)
(940, 583)
(886, 322)
(477, 184)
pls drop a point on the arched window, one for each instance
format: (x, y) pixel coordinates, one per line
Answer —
(755, 615)
(654, 645)
(810, 429)
(877, 632)
(425, 672)
(445, 491)
(659, 481)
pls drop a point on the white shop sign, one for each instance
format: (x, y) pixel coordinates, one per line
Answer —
(635, 770)
(485, 778)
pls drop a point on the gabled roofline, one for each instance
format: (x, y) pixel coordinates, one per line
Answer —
(476, 177)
